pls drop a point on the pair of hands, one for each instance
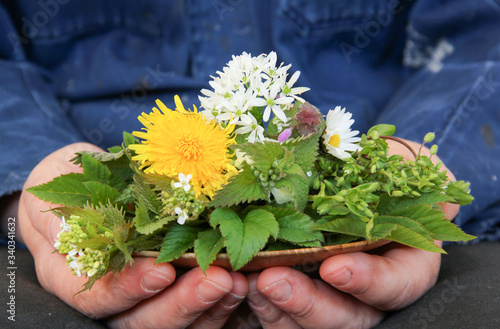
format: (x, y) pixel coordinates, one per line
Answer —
(354, 292)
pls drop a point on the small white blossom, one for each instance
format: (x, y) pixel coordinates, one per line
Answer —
(182, 215)
(183, 182)
(338, 136)
(249, 125)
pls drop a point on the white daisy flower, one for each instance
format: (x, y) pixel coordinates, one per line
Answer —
(183, 182)
(338, 136)
(249, 125)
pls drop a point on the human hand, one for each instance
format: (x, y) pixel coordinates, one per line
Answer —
(143, 295)
(355, 289)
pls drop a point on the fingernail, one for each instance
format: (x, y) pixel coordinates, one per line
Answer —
(209, 291)
(340, 278)
(231, 300)
(280, 291)
(156, 279)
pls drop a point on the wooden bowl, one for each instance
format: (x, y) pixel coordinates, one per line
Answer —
(303, 257)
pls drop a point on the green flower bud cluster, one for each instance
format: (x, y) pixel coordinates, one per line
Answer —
(354, 184)
(185, 200)
(269, 178)
(71, 234)
(89, 262)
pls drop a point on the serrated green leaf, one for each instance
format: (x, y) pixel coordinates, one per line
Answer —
(388, 204)
(241, 188)
(87, 212)
(113, 216)
(207, 246)
(120, 236)
(94, 170)
(413, 239)
(145, 194)
(67, 190)
(298, 187)
(406, 222)
(305, 150)
(101, 193)
(295, 226)
(244, 238)
(143, 222)
(382, 230)
(336, 239)
(433, 221)
(265, 219)
(263, 154)
(178, 240)
(96, 243)
(345, 225)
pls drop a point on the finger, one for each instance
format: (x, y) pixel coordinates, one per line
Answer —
(390, 281)
(313, 303)
(181, 304)
(218, 315)
(270, 316)
(56, 164)
(110, 295)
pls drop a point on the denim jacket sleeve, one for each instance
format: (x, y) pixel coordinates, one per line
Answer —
(453, 46)
(32, 124)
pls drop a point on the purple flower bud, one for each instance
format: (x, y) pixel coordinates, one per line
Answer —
(285, 134)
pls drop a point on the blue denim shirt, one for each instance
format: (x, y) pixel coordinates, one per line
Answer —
(74, 70)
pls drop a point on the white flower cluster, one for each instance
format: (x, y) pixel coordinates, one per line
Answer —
(247, 82)
(88, 262)
(182, 202)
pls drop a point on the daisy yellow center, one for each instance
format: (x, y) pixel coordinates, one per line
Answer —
(189, 147)
(334, 140)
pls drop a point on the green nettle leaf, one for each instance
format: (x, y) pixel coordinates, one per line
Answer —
(67, 190)
(382, 129)
(145, 194)
(388, 204)
(263, 154)
(410, 238)
(143, 222)
(434, 222)
(88, 212)
(295, 227)
(121, 234)
(101, 193)
(206, 247)
(243, 239)
(305, 150)
(96, 243)
(405, 222)
(243, 187)
(113, 216)
(94, 170)
(345, 225)
(178, 240)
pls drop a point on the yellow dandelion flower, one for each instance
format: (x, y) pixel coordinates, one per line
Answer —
(182, 141)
